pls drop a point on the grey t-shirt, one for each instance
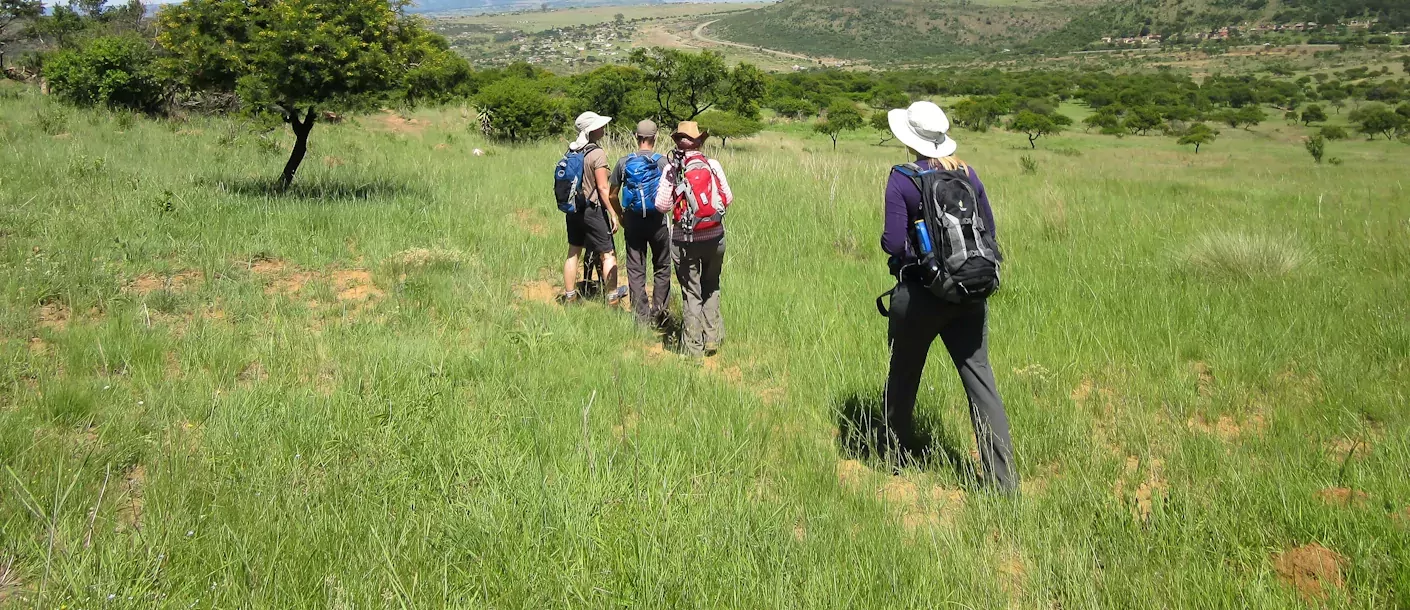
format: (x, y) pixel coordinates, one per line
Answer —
(616, 178)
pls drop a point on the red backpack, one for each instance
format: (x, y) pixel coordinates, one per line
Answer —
(699, 200)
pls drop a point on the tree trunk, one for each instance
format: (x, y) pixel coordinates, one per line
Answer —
(1197, 148)
(1033, 142)
(296, 157)
(834, 143)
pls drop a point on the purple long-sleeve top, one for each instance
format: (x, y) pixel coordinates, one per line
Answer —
(903, 205)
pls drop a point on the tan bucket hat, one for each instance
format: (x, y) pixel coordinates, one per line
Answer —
(689, 129)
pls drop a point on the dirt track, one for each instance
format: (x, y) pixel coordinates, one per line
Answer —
(699, 34)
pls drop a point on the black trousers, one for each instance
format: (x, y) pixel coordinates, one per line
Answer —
(643, 233)
(917, 318)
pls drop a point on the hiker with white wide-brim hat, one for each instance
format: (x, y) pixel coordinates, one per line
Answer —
(921, 309)
(924, 128)
(592, 224)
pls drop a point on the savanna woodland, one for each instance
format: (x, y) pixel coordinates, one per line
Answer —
(279, 329)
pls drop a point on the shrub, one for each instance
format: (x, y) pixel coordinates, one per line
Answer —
(1028, 164)
(1316, 146)
(1332, 132)
(519, 110)
(1240, 255)
(112, 71)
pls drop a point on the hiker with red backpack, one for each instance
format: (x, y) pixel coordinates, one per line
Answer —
(941, 237)
(580, 185)
(694, 192)
(635, 180)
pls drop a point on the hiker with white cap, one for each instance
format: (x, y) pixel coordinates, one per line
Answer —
(940, 235)
(695, 193)
(582, 181)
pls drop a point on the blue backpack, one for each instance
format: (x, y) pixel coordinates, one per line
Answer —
(640, 175)
(568, 179)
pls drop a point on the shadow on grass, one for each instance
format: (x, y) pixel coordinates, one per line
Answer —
(863, 435)
(315, 189)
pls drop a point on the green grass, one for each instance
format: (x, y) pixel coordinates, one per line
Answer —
(205, 401)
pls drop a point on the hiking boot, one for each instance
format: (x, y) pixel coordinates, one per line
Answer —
(712, 348)
(617, 296)
(568, 298)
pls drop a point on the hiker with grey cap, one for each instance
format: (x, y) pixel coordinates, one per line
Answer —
(940, 234)
(635, 180)
(695, 193)
(592, 221)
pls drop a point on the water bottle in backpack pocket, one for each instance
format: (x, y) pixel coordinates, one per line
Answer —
(640, 176)
(568, 179)
(959, 257)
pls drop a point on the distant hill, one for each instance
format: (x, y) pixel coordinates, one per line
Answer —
(891, 30)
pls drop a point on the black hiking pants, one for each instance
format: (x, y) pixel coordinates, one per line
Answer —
(643, 232)
(917, 318)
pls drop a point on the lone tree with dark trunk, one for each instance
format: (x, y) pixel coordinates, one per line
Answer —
(296, 57)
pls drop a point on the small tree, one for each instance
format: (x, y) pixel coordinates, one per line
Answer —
(685, 85)
(1332, 132)
(1378, 120)
(726, 125)
(1198, 134)
(619, 19)
(1142, 119)
(1251, 115)
(294, 56)
(1104, 119)
(842, 116)
(1313, 114)
(1316, 146)
(881, 122)
(519, 110)
(1034, 125)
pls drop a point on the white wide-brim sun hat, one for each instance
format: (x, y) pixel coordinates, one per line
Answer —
(587, 123)
(923, 127)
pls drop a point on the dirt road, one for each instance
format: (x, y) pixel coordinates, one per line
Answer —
(699, 34)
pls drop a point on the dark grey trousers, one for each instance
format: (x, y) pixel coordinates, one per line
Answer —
(698, 266)
(651, 231)
(917, 317)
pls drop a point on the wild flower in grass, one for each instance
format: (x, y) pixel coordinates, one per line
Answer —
(1237, 254)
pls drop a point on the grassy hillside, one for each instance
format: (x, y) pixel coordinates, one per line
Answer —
(894, 31)
(907, 30)
(357, 394)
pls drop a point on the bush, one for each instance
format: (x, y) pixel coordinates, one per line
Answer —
(1316, 146)
(1028, 165)
(520, 110)
(112, 71)
(1332, 132)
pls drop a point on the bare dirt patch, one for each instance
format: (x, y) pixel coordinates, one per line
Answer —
(1013, 571)
(539, 291)
(54, 316)
(355, 285)
(395, 123)
(129, 512)
(441, 146)
(1227, 428)
(1141, 493)
(148, 283)
(1310, 569)
(37, 346)
(852, 474)
(268, 266)
(531, 222)
(732, 374)
(1343, 496)
(425, 257)
(332, 161)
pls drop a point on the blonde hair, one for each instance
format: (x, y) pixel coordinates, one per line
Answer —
(950, 162)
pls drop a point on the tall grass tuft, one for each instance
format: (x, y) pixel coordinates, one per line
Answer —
(1237, 254)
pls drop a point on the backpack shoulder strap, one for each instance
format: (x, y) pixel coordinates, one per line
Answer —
(912, 171)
